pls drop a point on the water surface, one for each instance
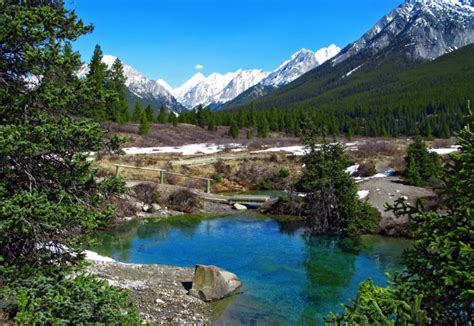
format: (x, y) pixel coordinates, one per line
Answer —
(289, 275)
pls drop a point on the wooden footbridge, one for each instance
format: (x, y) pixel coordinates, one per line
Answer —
(207, 195)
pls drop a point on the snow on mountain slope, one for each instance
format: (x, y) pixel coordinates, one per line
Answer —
(243, 80)
(205, 91)
(218, 89)
(427, 28)
(141, 86)
(300, 63)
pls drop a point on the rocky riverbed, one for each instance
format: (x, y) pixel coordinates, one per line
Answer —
(159, 292)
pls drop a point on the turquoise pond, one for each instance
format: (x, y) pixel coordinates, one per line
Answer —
(290, 276)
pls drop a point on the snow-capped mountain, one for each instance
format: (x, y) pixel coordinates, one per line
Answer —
(426, 29)
(414, 33)
(157, 92)
(300, 63)
(243, 80)
(218, 89)
(202, 91)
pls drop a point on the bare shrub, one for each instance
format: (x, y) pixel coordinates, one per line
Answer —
(222, 168)
(145, 192)
(184, 200)
(171, 179)
(373, 148)
(443, 143)
(366, 169)
(398, 164)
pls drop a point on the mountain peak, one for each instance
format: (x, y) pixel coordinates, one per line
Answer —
(108, 60)
(422, 29)
(300, 63)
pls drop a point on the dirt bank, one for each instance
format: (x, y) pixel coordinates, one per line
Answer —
(388, 190)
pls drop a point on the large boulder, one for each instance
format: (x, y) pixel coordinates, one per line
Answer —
(211, 283)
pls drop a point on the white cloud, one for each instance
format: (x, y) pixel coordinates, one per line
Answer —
(198, 67)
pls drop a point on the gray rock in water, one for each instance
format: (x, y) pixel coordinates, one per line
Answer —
(239, 207)
(211, 283)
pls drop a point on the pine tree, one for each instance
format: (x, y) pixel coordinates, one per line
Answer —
(234, 130)
(138, 113)
(263, 128)
(162, 115)
(118, 108)
(412, 174)
(144, 125)
(50, 199)
(249, 134)
(252, 116)
(174, 119)
(95, 80)
(149, 113)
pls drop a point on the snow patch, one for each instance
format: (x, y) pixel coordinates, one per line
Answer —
(191, 149)
(362, 194)
(444, 151)
(93, 256)
(295, 150)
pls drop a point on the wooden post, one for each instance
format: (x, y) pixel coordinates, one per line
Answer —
(162, 177)
(208, 189)
(117, 171)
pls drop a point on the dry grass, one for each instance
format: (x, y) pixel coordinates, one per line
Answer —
(167, 135)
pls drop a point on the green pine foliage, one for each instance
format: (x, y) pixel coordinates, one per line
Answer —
(117, 107)
(50, 200)
(332, 204)
(149, 113)
(390, 98)
(421, 164)
(436, 286)
(375, 305)
(144, 128)
(137, 113)
(234, 130)
(162, 116)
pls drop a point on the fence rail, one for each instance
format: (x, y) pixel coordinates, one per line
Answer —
(162, 174)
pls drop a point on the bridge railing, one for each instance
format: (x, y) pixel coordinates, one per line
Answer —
(162, 174)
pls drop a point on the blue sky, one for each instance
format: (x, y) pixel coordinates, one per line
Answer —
(168, 38)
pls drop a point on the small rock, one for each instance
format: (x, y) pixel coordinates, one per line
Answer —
(155, 208)
(159, 301)
(239, 207)
(146, 208)
(211, 283)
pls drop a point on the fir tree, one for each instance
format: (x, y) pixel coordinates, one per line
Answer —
(234, 130)
(95, 81)
(263, 128)
(174, 119)
(118, 108)
(138, 113)
(249, 134)
(162, 115)
(149, 113)
(50, 198)
(144, 125)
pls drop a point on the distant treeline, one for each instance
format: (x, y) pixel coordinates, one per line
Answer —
(430, 121)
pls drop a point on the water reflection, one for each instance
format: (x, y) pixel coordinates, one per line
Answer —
(289, 274)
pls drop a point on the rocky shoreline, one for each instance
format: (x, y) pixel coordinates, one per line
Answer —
(159, 292)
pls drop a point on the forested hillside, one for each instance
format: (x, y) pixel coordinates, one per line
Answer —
(389, 94)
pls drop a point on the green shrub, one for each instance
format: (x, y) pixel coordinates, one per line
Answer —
(48, 300)
(367, 222)
(265, 184)
(421, 164)
(375, 305)
(283, 173)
